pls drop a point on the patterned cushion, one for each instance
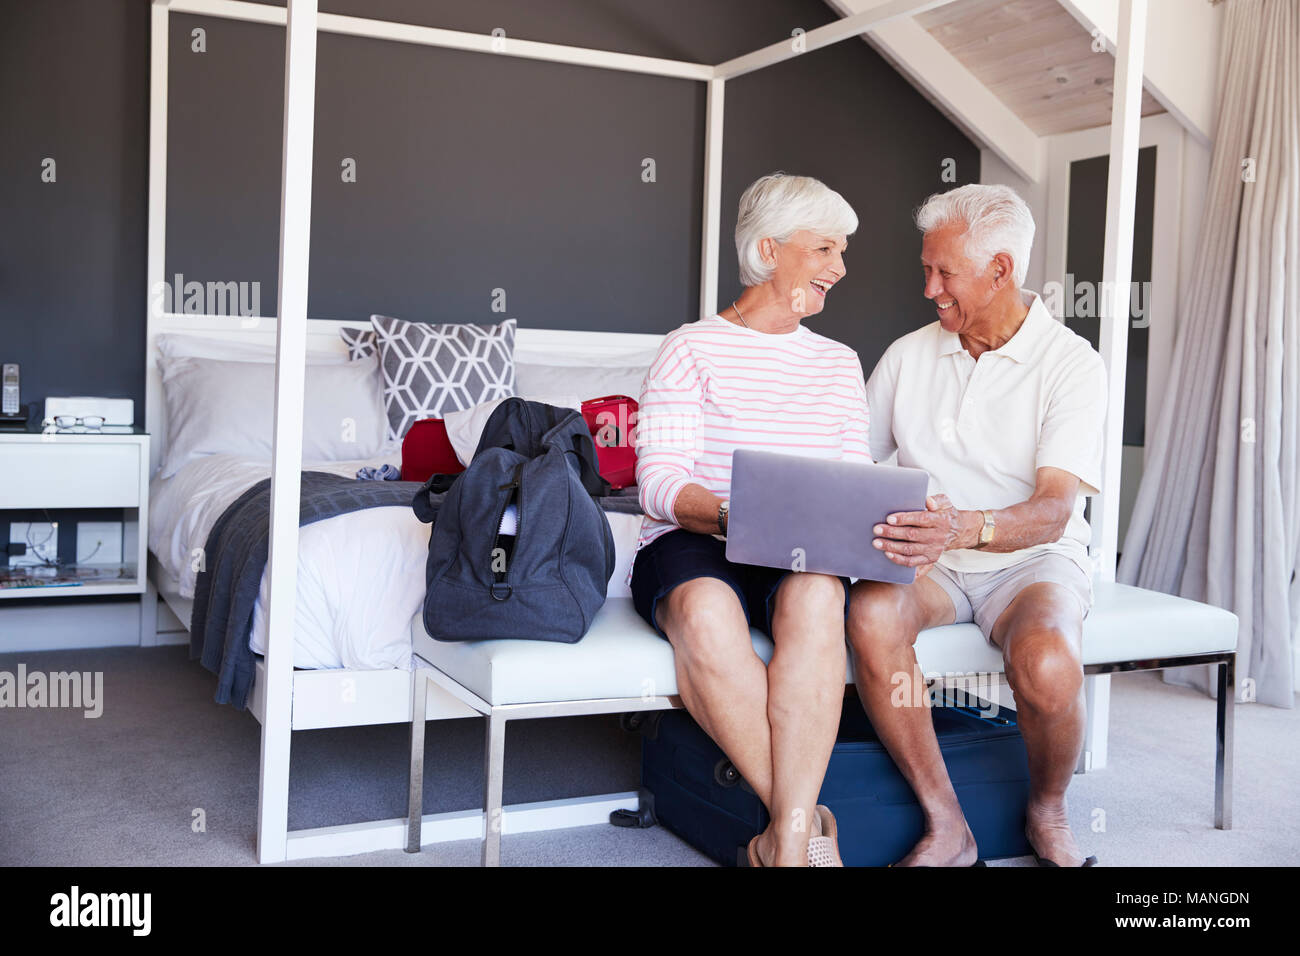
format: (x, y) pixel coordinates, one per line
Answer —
(430, 370)
(360, 343)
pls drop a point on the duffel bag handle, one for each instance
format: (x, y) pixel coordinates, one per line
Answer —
(436, 485)
(588, 471)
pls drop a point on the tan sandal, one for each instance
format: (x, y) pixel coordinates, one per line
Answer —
(824, 850)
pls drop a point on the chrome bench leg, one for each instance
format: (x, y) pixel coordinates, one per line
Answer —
(415, 795)
(1223, 745)
(493, 778)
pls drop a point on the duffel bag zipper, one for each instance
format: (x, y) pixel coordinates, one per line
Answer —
(500, 588)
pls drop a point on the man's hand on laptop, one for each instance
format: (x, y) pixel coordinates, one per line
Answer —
(915, 539)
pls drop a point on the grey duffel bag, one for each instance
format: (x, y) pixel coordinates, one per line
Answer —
(541, 576)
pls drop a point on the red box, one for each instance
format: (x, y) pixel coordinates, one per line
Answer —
(612, 420)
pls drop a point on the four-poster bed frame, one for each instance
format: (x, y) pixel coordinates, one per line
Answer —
(285, 700)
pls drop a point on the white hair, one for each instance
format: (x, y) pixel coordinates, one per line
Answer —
(776, 207)
(996, 219)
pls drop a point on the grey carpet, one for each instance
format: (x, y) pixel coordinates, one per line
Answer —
(122, 789)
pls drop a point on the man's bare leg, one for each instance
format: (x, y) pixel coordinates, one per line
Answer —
(884, 621)
(1041, 637)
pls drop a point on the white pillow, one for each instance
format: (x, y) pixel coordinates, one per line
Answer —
(559, 398)
(536, 381)
(625, 358)
(223, 407)
(179, 345)
(465, 428)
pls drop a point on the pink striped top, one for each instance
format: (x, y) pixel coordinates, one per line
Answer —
(716, 386)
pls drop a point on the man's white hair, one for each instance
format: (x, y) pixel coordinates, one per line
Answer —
(996, 220)
(776, 207)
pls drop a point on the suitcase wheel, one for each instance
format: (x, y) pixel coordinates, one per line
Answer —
(725, 773)
(646, 723)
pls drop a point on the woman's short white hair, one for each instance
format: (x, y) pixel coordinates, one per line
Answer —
(996, 219)
(776, 207)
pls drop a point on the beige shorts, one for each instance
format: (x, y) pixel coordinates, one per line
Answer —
(982, 596)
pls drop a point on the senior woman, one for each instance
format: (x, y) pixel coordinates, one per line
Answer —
(754, 376)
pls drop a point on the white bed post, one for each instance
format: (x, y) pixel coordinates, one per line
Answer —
(286, 448)
(712, 219)
(1121, 203)
(155, 264)
(156, 256)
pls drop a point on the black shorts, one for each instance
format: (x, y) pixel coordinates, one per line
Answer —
(679, 556)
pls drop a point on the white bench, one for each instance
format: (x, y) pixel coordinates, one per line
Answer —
(622, 665)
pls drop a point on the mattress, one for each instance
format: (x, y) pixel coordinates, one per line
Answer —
(360, 575)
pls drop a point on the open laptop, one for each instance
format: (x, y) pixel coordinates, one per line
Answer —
(814, 514)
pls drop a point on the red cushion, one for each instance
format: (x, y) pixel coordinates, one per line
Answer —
(426, 450)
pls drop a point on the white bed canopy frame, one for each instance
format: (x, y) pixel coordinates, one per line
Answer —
(285, 700)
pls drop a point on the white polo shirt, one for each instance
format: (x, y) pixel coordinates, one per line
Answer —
(983, 428)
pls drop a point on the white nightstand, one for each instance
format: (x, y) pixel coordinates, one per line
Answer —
(82, 470)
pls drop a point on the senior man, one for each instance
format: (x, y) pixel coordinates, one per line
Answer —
(1004, 407)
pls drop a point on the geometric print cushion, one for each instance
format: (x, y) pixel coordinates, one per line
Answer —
(360, 343)
(430, 370)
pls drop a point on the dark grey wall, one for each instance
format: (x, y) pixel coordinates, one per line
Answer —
(473, 173)
(845, 116)
(74, 87)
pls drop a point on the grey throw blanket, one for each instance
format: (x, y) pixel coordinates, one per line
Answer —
(235, 557)
(624, 501)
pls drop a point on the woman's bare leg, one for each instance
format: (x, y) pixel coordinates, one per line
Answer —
(739, 702)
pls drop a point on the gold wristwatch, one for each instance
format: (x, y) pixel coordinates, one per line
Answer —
(986, 532)
(723, 510)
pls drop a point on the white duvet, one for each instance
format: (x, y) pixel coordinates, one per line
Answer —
(360, 575)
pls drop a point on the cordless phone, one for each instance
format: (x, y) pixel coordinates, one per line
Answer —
(9, 405)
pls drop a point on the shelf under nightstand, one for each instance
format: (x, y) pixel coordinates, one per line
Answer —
(80, 471)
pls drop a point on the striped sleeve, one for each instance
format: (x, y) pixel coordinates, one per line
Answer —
(857, 426)
(667, 425)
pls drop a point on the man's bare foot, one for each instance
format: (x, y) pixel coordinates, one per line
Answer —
(944, 845)
(1048, 828)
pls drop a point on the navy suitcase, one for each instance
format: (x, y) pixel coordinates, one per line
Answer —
(696, 792)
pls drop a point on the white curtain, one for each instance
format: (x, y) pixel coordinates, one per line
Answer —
(1217, 517)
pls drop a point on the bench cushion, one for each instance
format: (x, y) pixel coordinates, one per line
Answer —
(621, 656)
